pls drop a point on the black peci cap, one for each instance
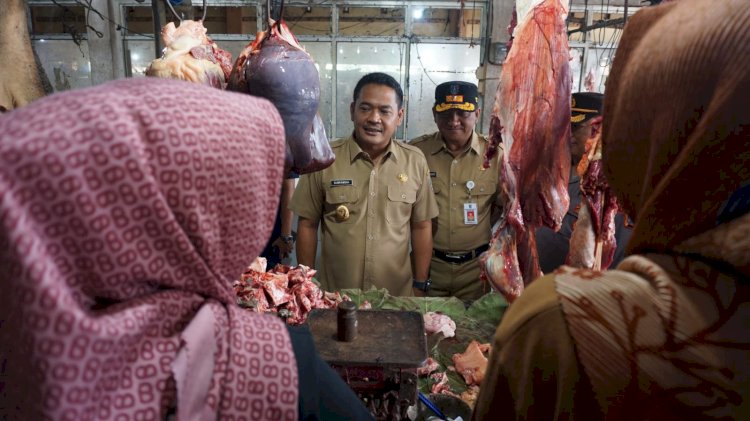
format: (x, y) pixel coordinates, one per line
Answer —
(585, 106)
(455, 94)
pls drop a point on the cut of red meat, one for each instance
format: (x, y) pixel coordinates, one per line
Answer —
(276, 67)
(531, 118)
(290, 291)
(593, 243)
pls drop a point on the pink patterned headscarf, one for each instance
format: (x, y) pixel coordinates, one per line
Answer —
(127, 210)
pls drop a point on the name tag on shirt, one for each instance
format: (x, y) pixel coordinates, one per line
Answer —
(341, 183)
(470, 214)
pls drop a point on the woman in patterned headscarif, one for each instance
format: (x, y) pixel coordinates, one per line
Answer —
(126, 212)
(666, 335)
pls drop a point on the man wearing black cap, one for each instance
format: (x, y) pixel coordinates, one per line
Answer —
(585, 123)
(465, 192)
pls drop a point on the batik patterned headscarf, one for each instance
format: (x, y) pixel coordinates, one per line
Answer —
(127, 211)
(666, 335)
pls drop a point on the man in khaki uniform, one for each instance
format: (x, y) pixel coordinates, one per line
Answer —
(372, 201)
(466, 193)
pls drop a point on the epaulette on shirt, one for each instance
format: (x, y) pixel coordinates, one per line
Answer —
(338, 143)
(422, 138)
(408, 147)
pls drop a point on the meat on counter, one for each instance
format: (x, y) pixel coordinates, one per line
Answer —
(472, 364)
(289, 291)
(437, 322)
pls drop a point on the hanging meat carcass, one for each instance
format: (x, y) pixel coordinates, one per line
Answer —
(276, 67)
(189, 54)
(531, 118)
(593, 243)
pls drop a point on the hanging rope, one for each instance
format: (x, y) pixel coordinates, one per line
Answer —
(174, 12)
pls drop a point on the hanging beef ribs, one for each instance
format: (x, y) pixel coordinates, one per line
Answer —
(531, 117)
(276, 67)
(189, 54)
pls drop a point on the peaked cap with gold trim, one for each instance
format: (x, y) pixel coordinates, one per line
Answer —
(585, 106)
(456, 94)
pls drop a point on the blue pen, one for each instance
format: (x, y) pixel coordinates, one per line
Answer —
(432, 406)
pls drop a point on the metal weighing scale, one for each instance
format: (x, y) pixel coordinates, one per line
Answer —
(377, 352)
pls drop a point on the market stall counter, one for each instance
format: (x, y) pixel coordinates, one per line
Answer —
(438, 342)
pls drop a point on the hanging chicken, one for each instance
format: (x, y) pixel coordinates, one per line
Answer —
(276, 67)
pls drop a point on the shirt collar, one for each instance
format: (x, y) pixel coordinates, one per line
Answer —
(356, 152)
(440, 144)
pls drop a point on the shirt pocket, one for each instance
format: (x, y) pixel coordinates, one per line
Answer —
(484, 188)
(341, 200)
(437, 185)
(399, 205)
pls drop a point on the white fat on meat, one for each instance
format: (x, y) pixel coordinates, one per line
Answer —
(436, 322)
(581, 253)
(259, 264)
(177, 62)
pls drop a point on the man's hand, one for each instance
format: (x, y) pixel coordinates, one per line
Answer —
(284, 247)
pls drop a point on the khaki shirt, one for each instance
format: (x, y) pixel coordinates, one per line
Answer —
(371, 247)
(449, 178)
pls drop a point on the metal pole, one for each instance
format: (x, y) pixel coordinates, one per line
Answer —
(157, 27)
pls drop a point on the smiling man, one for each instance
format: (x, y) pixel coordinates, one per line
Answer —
(371, 203)
(466, 193)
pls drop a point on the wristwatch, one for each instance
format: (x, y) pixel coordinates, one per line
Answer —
(422, 285)
(288, 239)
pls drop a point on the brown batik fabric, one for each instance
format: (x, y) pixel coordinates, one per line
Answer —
(665, 332)
(666, 335)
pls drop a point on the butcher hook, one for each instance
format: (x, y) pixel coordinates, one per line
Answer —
(169, 4)
(278, 21)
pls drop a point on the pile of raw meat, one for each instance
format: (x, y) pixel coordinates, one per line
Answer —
(288, 291)
(471, 364)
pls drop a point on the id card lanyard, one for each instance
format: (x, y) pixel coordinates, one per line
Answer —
(470, 206)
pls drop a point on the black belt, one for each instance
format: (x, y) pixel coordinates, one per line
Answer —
(457, 258)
